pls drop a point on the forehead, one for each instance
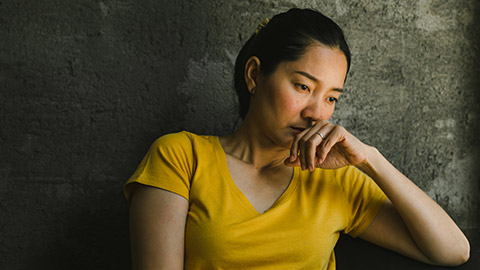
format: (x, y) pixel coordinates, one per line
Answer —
(326, 64)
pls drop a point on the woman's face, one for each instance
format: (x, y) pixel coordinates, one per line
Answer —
(298, 94)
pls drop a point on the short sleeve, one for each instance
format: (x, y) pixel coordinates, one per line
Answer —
(364, 199)
(168, 165)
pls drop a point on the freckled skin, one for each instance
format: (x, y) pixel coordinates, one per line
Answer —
(280, 103)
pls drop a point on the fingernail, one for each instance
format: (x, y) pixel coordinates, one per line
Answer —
(310, 168)
(292, 158)
(303, 167)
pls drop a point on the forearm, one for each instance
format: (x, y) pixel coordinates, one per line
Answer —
(434, 232)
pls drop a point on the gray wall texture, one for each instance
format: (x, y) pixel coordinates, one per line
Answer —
(87, 85)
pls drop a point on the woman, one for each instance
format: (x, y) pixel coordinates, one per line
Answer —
(276, 193)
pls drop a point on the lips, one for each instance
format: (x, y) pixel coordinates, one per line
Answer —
(298, 129)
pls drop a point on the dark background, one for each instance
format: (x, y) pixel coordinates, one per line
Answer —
(86, 86)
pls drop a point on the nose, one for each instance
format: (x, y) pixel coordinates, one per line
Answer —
(315, 111)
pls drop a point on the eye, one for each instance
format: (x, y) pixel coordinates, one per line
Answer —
(332, 99)
(303, 86)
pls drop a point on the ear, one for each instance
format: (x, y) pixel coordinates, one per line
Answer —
(252, 72)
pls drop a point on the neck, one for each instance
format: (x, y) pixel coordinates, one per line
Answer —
(253, 147)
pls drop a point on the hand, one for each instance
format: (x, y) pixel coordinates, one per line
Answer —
(337, 148)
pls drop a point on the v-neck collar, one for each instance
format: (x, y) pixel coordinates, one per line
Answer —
(225, 171)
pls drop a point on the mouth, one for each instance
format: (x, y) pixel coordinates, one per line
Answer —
(297, 129)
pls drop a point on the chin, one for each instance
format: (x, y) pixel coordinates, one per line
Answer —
(285, 141)
(281, 138)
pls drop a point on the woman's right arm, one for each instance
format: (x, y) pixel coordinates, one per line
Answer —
(157, 228)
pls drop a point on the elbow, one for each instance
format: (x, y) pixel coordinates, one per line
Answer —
(460, 258)
(454, 257)
(464, 255)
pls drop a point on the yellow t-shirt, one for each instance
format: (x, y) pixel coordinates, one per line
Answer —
(224, 231)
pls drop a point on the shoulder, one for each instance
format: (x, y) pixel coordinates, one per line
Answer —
(180, 140)
(172, 139)
(345, 180)
(348, 173)
(339, 175)
(356, 185)
(350, 178)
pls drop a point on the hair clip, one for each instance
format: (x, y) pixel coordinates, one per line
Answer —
(262, 25)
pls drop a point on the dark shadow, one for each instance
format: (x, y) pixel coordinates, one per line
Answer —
(354, 253)
(94, 236)
(90, 229)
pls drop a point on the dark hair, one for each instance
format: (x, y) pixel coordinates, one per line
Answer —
(285, 38)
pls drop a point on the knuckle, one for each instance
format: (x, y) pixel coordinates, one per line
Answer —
(339, 128)
(303, 140)
(326, 143)
(322, 122)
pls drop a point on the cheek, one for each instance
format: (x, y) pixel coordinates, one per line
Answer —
(328, 113)
(290, 104)
(287, 103)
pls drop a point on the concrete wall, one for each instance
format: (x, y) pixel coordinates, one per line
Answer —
(86, 86)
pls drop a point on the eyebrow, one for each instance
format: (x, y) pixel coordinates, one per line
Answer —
(315, 79)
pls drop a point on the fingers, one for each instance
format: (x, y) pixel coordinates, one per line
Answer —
(307, 146)
(336, 135)
(304, 147)
(294, 148)
(313, 142)
(294, 163)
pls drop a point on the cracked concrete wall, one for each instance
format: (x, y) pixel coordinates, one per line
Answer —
(86, 86)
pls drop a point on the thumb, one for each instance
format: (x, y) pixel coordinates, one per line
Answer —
(294, 163)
